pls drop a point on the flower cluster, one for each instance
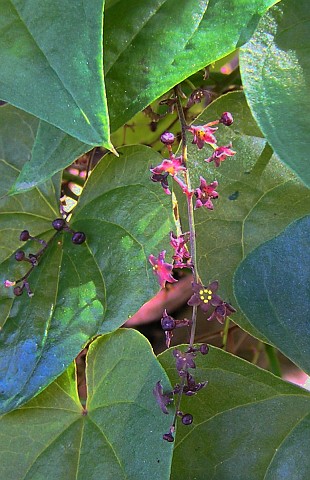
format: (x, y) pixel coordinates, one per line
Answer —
(204, 297)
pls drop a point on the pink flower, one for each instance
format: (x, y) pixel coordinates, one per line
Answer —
(203, 134)
(205, 193)
(8, 283)
(161, 269)
(181, 253)
(172, 166)
(220, 154)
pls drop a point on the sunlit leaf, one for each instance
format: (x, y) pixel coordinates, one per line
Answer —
(117, 435)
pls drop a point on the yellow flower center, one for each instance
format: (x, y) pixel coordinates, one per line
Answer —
(205, 295)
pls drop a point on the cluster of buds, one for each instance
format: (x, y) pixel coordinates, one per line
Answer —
(22, 283)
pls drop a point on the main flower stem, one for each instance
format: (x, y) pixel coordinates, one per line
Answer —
(190, 209)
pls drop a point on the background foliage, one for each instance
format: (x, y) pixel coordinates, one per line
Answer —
(86, 84)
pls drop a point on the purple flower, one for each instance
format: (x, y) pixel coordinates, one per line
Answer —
(221, 312)
(181, 253)
(162, 178)
(162, 399)
(161, 269)
(220, 154)
(184, 361)
(205, 193)
(205, 297)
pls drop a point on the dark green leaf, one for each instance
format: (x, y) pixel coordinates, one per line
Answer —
(51, 64)
(168, 40)
(272, 288)
(79, 290)
(246, 422)
(258, 198)
(118, 435)
(52, 151)
(275, 70)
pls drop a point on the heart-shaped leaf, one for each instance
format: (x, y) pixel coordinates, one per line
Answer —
(51, 64)
(258, 198)
(272, 288)
(117, 435)
(79, 290)
(160, 49)
(245, 423)
(275, 71)
(174, 51)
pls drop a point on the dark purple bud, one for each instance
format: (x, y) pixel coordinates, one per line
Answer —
(78, 238)
(226, 119)
(18, 291)
(59, 224)
(204, 349)
(168, 437)
(19, 255)
(167, 138)
(167, 322)
(187, 419)
(24, 236)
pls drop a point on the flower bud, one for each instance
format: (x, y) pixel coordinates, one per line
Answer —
(226, 119)
(59, 224)
(78, 238)
(24, 236)
(187, 419)
(167, 138)
(19, 255)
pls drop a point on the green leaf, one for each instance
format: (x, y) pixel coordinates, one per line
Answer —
(275, 71)
(51, 64)
(258, 198)
(160, 49)
(117, 435)
(52, 151)
(246, 421)
(272, 288)
(79, 290)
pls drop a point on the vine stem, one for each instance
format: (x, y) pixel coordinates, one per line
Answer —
(190, 210)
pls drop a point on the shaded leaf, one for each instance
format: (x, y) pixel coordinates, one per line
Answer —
(79, 290)
(118, 435)
(52, 151)
(258, 198)
(272, 288)
(51, 64)
(275, 71)
(160, 49)
(243, 423)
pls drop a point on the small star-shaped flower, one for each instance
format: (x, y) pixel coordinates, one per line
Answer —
(173, 165)
(205, 193)
(220, 154)
(161, 269)
(162, 178)
(221, 312)
(181, 253)
(205, 297)
(203, 134)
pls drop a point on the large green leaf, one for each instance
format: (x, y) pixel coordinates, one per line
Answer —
(275, 69)
(51, 64)
(258, 198)
(173, 44)
(117, 435)
(154, 45)
(53, 150)
(272, 288)
(246, 422)
(79, 290)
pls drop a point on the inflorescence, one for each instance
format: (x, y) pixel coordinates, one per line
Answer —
(59, 224)
(203, 297)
